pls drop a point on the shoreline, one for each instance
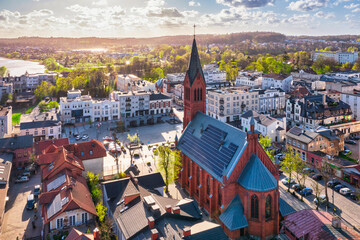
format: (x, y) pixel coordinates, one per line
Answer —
(18, 67)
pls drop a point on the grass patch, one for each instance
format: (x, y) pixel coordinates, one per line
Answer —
(347, 158)
(16, 118)
(30, 109)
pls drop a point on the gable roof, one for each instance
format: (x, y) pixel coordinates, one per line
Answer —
(256, 177)
(18, 142)
(39, 124)
(259, 118)
(301, 134)
(87, 150)
(194, 65)
(78, 235)
(42, 145)
(158, 96)
(233, 216)
(151, 180)
(213, 145)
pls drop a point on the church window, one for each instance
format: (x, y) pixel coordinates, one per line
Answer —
(219, 195)
(198, 94)
(254, 207)
(198, 176)
(201, 94)
(188, 169)
(208, 185)
(268, 207)
(195, 94)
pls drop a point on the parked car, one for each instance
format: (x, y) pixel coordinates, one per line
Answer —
(322, 199)
(285, 181)
(354, 196)
(75, 135)
(280, 156)
(338, 187)
(317, 177)
(22, 179)
(298, 187)
(345, 191)
(306, 191)
(333, 183)
(30, 168)
(355, 138)
(352, 142)
(30, 202)
(85, 137)
(308, 170)
(346, 152)
(37, 190)
(27, 174)
(78, 138)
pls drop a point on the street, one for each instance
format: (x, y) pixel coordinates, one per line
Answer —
(346, 208)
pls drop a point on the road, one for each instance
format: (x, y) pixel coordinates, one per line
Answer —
(346, 208)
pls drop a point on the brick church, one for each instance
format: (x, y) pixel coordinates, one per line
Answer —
(225, 169)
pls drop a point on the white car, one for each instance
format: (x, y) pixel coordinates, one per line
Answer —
(85, 137)
(322, 199)
(345, 191)
(285, 181)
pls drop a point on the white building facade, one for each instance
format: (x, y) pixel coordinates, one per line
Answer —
(276, 80)
(271, 101)
(340, 57)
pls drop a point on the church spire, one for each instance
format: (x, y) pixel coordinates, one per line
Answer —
(194, 64)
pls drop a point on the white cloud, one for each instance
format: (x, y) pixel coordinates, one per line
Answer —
(323, 15)
(194, 4)
(351, 6)
(356, 10)
(246, 3)
(100, 3)
(307, 5)
(297, 18)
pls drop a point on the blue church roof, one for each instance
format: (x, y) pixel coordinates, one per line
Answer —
(215, 146)
(233, 216)
(256, 176)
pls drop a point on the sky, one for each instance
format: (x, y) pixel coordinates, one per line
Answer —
(151, 18)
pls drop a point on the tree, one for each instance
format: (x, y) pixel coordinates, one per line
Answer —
(317, 189)
(43, 90)
(265, 142)
(101, 211)
(116, 155)
(3, 71)
(300, 174)
(327, 174)
(290, 163)
(169, 163)
(133, 138)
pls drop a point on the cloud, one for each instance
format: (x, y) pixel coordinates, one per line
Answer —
(164, 12)
(351, 6)
(246, 3)
(297, 18)
(356, 10)
(100, 3)
(323, 15)
(307, 5)
(194, 4)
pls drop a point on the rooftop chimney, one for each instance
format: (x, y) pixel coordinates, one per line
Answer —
(336, 222)
(96, 234)
(133, 177)
(187, 232)
(151, 222)
(154, 234)
(176, 210)
(129, 197)
(168, 208)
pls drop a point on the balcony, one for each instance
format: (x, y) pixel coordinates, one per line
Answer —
(221, 101)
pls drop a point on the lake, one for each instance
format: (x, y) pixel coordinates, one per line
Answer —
(19, 67)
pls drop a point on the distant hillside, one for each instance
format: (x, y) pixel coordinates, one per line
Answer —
(92, 42)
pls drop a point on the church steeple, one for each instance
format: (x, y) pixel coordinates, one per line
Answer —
(194, 87)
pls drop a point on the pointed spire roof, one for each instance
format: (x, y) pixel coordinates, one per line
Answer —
(194, 65)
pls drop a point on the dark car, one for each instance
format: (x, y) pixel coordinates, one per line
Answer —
(352, 142)
(355, 138)
(298, 187)
(354, 196)
(338, 187)
(333, 183)
(317, 177)
(30, 202)
(346, 148)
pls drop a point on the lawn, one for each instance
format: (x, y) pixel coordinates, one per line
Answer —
(16, 118)
(30, 109)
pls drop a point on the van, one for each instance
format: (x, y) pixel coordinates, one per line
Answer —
(30, 202)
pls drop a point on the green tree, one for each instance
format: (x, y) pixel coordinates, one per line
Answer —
(3, 71)
(265, 143)
(43, 90)
(169, 163)
(300, 174)
(101, 211)
(317, 189)
(290, 163)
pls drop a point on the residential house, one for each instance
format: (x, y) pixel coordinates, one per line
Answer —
(5, 88)
(41, 130)
(271, 101)
(340, 57)
(275, 128)
(159, 104)
(277, 80)
(20, 146)
(249, 78)
(5, 121)
(5, 166)
(307, 74)
(41, 146)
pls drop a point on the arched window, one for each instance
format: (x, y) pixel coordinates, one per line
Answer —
(188, 168)
(198, 94)
(254, 207)
(198, 176)
(268, 207)
(195, 94)
(201, 94)
(219, 195)
(208, 185)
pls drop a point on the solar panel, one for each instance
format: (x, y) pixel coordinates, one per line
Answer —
(56, 183)
(54, 207)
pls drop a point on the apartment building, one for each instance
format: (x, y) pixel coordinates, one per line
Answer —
(306, 74)
(77, 108)
(271, 101)
(34, 80)
(5, 121)
(277, 80)
(275, 128)
(176, 77)
(305, 142)
(227, 104)
(131, 82)
(41, 130)
(340, 57)
(19, 83)
(159, 104)
(315, 110)
(249, 78)
(353, 100)
(5, 88)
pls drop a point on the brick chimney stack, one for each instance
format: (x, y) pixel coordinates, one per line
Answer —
(187, 232)
(154, 234)
(168, 208)
(151, 222)
(96, 234)
(176, 210)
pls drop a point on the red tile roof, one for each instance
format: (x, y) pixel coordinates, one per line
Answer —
(78, 235)
(87, 150)
(42, 145)
(313, 224)
(276, 76)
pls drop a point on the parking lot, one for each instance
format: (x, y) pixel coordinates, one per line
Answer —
(17, 219)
